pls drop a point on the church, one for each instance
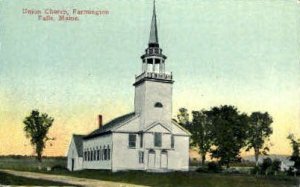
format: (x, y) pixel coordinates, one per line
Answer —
(145, 139)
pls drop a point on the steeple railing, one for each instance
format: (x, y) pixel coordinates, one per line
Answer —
(154, 75)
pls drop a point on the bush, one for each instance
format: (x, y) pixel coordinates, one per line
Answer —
(214, 167)
(291, 172)
(59, 168)
(232, 171)
(255, 170)
(202, 169)
(268, 167)
(267, 162)
(276, 165)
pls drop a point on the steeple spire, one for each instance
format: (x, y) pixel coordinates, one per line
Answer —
(153, 39)
(153, 66)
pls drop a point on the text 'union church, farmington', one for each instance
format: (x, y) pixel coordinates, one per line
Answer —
(146, 139)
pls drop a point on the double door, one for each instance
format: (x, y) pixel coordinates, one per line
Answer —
(157, 159)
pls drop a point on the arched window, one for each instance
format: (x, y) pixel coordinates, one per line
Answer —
(89, 155)
(158, 105)
(94, 155)
(100, 153)
(104, 153)
(108, 153)
(84, 155)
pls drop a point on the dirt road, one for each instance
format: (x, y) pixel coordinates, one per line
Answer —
(67, 179)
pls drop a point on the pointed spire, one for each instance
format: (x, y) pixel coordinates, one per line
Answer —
(153, 39)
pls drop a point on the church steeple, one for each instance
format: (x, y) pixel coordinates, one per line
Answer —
(153, 67)
(153, 39)
(153, 86)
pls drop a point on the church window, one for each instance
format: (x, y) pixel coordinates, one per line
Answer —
(92, 155)
(108, 153)
(158, 105)
(172, 141)
(104, 153)
(141, 140)
(132, 140)
(157, 139)
(89, 155)
(141, 157)
(85, 156)
(95, 154)
(98, 154)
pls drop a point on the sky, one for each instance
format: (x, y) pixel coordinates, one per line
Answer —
(241, 53)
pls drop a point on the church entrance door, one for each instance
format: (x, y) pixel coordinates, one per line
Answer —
(151, 159)
(72, 164)
(164, 160)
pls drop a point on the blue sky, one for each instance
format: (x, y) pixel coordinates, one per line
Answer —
(244, 53)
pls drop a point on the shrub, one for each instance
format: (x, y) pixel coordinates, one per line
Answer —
(202, 169)
(291, 172)
(59, 168)
(255, 170)
(267, 162)
(214, 167)
(232, 171)
(276, 165)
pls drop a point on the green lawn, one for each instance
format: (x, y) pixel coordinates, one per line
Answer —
(184, 179)
(29, 163)
(8, 179)
(154, 179)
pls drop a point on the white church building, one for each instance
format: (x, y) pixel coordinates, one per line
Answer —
(146, 139)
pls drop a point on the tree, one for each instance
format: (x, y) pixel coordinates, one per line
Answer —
(229, 133)
(201, 133)
(183, 118)
(296, 151)
(36, 128)
(276, 166)
(259, 131)
(267, 163)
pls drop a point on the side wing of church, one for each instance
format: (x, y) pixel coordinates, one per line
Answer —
(146, 139)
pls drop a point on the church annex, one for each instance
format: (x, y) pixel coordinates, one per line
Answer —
(146, 139)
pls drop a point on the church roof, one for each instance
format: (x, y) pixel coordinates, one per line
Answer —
(153, 39)
(78, 143)
(106, 128)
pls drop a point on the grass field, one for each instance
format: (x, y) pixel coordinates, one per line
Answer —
(30, 163)
(184, 179)
(7, 179)
(155, 179)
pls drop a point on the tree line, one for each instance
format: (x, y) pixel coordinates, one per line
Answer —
(224, 131)
(221, 132)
